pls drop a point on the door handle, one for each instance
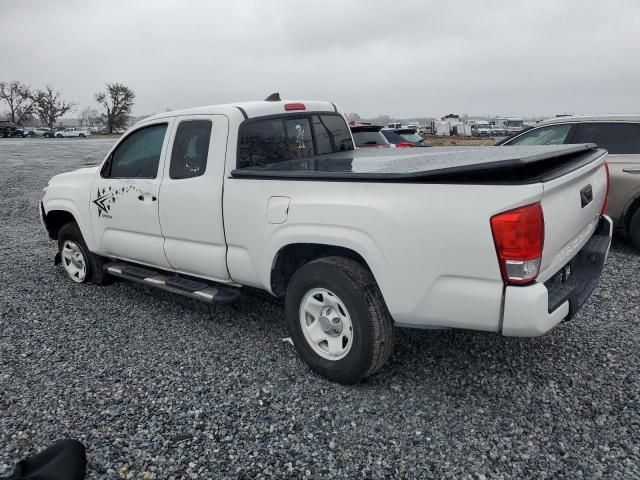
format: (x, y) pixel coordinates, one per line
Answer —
(631, 170)
(142, 197)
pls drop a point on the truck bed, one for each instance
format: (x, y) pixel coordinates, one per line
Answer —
(478, 165)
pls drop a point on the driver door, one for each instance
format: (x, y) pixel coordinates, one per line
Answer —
(124, 203)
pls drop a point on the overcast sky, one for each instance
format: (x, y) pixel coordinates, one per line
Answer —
(405, 59)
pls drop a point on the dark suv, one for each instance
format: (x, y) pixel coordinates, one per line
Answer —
(9, 129)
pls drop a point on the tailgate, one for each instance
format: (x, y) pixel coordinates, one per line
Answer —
(571, 205)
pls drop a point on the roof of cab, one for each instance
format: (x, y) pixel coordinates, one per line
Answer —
(250, 109)
(593, 118)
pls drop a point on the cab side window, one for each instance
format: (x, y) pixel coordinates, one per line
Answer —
(138, 155)
(551, 135)
(190, 149)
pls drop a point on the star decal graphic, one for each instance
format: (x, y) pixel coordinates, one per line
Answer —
(102, 200)
(106, 197)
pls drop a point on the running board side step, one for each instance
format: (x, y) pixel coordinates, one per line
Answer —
(200, 290)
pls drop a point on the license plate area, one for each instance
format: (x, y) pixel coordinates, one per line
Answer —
(577, 279)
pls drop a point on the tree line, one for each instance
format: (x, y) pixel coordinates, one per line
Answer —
(25, 103)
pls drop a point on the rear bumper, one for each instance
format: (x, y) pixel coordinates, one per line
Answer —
(533, 310)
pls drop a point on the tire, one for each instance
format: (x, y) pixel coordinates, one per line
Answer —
(361, 339)
(81, 135)
(58, 136)
(634, 229)
(85, 266)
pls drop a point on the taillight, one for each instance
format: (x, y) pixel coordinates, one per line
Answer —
(294, 106)
(606, 193)
(518, 235)
(404, 144)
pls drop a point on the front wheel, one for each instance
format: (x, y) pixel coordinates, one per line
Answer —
(78, 262)
(338, 320)
(81, 135)
(59, 136)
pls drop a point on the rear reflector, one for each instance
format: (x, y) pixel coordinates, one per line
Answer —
(294, 106)
(606, 193)
(518, 235)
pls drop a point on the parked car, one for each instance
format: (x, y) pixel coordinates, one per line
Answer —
(10, 129)
(498, 131)
(368, 136)
(36, 131)
(51, 132)
(42, 131)
(404, 137)
(481, 129)
(73, 132)
(620, 136)
(273, 195)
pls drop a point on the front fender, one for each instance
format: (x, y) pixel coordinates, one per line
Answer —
(81, 216)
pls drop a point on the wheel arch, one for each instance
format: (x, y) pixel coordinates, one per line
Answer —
(625, 222)
(291, 257)
(58, 212)
(55, 220)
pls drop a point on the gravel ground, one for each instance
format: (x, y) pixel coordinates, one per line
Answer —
(159, 386)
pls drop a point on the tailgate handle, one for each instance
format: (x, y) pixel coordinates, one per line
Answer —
(586, 196)
(631, 170)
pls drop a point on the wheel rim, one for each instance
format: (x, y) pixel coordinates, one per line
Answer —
(326, 324)
(73, 261)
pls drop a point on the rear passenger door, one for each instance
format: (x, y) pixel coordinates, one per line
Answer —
(191, 197)
(622, 141)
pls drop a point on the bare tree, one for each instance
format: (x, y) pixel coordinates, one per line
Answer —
(89, 116)
(117, 102)
(50, 106)
(20, 98)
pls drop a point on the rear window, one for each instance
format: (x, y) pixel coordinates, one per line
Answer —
(331, 134)
(392, 137)
(369, 138)
(411, 137)
(278, 139)
(617, 138)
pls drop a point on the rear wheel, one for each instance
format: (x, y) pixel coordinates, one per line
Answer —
(59, 136)
(338, 320)
(78, 262)
(634, 228)
(81, 135)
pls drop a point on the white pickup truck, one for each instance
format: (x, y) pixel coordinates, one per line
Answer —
(273, 195)
(73, 132)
